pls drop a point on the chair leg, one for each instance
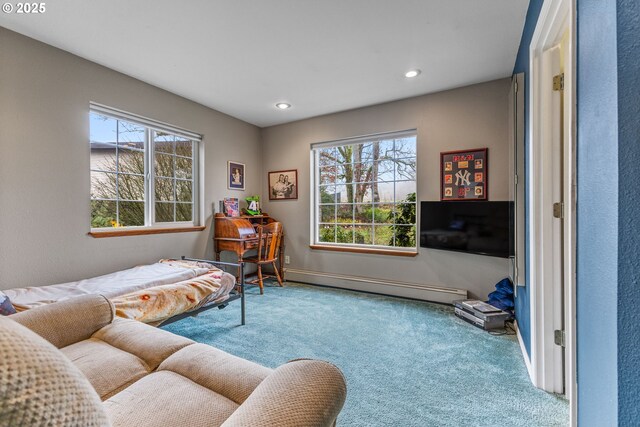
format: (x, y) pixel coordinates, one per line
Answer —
(260, 279)
(277, 274)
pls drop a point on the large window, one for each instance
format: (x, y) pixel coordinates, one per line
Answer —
(365, 192)
(143, 173)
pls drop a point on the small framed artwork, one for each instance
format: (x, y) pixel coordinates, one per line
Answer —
(283, 185)
(235, 175)
(464, 174)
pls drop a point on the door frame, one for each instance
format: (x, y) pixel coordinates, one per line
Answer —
(556, 18)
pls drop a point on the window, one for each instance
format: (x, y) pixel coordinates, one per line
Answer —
(365, 192)
(143, 173)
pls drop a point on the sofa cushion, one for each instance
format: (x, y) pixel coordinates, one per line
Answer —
(150, 344)
(39, 386)
(107, 368)
(168, 399)
(64, 323)
(228, 375)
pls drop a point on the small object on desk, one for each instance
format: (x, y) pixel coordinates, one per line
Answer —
(231, 206)
(253, 205)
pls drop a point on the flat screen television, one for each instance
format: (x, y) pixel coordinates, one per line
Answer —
(484, 228)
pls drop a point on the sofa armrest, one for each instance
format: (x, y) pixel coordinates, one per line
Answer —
(66, 322)
(301, 393)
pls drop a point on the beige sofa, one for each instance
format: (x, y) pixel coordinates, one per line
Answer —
(99, 370)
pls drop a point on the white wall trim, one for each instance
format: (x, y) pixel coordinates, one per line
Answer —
(556, 17)
(424, 292)
(523, 349)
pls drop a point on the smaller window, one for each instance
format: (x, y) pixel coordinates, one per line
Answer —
(365, 192)
(143, 173)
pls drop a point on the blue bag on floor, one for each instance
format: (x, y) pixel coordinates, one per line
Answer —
(502, 297)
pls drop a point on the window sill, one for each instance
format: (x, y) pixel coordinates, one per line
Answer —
(142, 231)
(364, 250)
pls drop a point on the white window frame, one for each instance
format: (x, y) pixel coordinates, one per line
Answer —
(315, 193)
(152, 126)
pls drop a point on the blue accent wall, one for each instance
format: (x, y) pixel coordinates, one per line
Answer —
(523, 312)
(597, 213)
(628, 53)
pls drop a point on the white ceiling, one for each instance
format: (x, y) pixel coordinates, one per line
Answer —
(242, 56)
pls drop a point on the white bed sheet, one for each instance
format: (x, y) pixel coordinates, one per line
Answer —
(110, 285)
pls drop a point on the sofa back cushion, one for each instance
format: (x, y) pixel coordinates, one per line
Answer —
(67, 322)
(40, 386)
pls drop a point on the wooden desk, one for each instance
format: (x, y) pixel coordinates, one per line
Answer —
(238, 234)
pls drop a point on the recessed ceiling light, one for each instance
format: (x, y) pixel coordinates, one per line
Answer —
(283, 105)
(412, 73)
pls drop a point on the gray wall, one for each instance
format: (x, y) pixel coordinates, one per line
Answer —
(44, 164)
(469, 117)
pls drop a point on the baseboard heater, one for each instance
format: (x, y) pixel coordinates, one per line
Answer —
(379, 286)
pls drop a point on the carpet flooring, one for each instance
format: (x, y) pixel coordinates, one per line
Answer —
(407, 363)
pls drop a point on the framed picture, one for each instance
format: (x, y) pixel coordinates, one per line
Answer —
(464, 174)
(283, 185)
(235, 175)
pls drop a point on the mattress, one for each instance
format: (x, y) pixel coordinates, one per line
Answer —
(118, 284)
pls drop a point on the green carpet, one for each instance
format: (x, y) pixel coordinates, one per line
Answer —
(407, 363)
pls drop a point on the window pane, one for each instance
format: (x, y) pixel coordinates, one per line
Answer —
(103, 185)
(385, 192)
(327, 156)
(183, 191)
(164, 143)
(184, 212)
(385, 171)
(164, 212)
(405, 236)
(386, 148)
(363, 213)
(102, 129)
(131, 214)
(163, 165)
(383, 235)
(131, 161)
(130, 187)
(406, 169)
(103, 157)
(344, 194)
(327, 233)
(328, 175)
(405, 213)
(103, 214)
(383, 213)
(344, 234)
(164, 190)
(130, 135)
(362, 172)
(363, 234)
(405, 147)
(327, 213)
(345, 213)
(183, 147)
(183, 168)
(328, 194)
(405, 189)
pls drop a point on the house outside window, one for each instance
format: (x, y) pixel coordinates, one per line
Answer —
(143, 173)
(365, 192)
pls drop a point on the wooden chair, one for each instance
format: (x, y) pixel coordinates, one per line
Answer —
(269, 236)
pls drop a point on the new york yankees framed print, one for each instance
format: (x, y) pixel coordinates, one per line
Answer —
(464, 174)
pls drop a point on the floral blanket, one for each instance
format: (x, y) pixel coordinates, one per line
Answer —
(158, 303)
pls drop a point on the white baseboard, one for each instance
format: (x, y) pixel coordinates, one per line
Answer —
(525, 355)
(380, 286)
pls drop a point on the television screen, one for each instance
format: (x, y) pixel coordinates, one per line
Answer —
(483, 228)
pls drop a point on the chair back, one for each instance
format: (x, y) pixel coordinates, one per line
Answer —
(269, 236)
